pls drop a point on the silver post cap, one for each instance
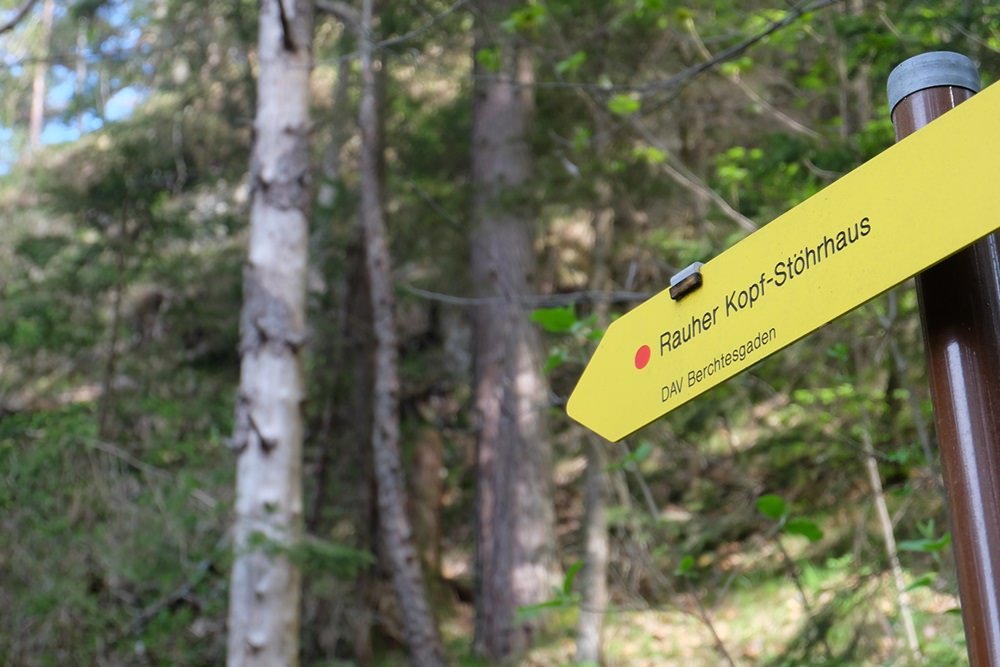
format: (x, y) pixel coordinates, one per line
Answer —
(929, 70)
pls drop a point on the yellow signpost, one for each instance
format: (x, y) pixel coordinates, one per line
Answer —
(918, 202)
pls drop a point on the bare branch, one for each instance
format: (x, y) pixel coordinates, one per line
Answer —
(794, 14)
(754, 96)
(532, 300)
(419, 30)
(689, 73)
(678, 172)
(350, 17)
(21, 13)
(687, 179)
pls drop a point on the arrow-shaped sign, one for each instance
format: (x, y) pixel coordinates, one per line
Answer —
(916, 203)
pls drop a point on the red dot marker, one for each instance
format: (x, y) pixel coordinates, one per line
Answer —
(642, 357)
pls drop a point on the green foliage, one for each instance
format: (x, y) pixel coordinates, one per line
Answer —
(685, 566)
(571, 64)
(775, 508)
(555, 320)
(650, 154)
(574, 334)
(489, 59)
(570, 577)
(805, 528)
(563, 598)
(40, 250)
(528, 18)
(923, 581)
(316, 556)
(929, 545)
(772, 506)
(624, 104)
(634, 457)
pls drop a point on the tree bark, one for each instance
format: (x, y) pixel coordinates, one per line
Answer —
(80, 68)
(593, 578)
(407, 574)
(36, 119)
(426, 490)
(265, 586)
(362, 331)
(515, 563)
(889, 539)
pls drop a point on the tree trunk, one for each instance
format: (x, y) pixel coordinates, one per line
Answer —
(889, 540)
(81, 69)
(515, 563)
(332, 177)
(107, 401)
(265, 585)
(36, 120)
(593, 578)
(407, 574)
(361, 332)
(427, 488)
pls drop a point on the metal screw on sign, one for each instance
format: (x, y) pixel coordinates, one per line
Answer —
(960, 312)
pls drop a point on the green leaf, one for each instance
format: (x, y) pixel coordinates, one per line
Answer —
(772, 506)
(651, 6)
(533, 611)
(650, 154)
(805, 528)
(581, 138)
(926, 545)
(489, 59)
(642, 452)
(901, 456)
(557, 357)
(555, 320)
(922, 582)
(624, 104)
(524, 19)
(730, 69)
(730, 173)
(839, 351)
(571, 64)
(685, 566)
(804, 396)
(571, 577)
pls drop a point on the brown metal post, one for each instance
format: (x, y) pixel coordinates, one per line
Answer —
(960, 311)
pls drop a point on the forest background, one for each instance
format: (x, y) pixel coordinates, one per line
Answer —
(480, 188)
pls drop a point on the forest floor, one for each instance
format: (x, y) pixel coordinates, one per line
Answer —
(758, 623)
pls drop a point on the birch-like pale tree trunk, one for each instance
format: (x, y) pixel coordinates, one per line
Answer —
(421, 630)
(515, 528)
(36, 119)
(593, 580)
(80, 69)
(265, 587)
